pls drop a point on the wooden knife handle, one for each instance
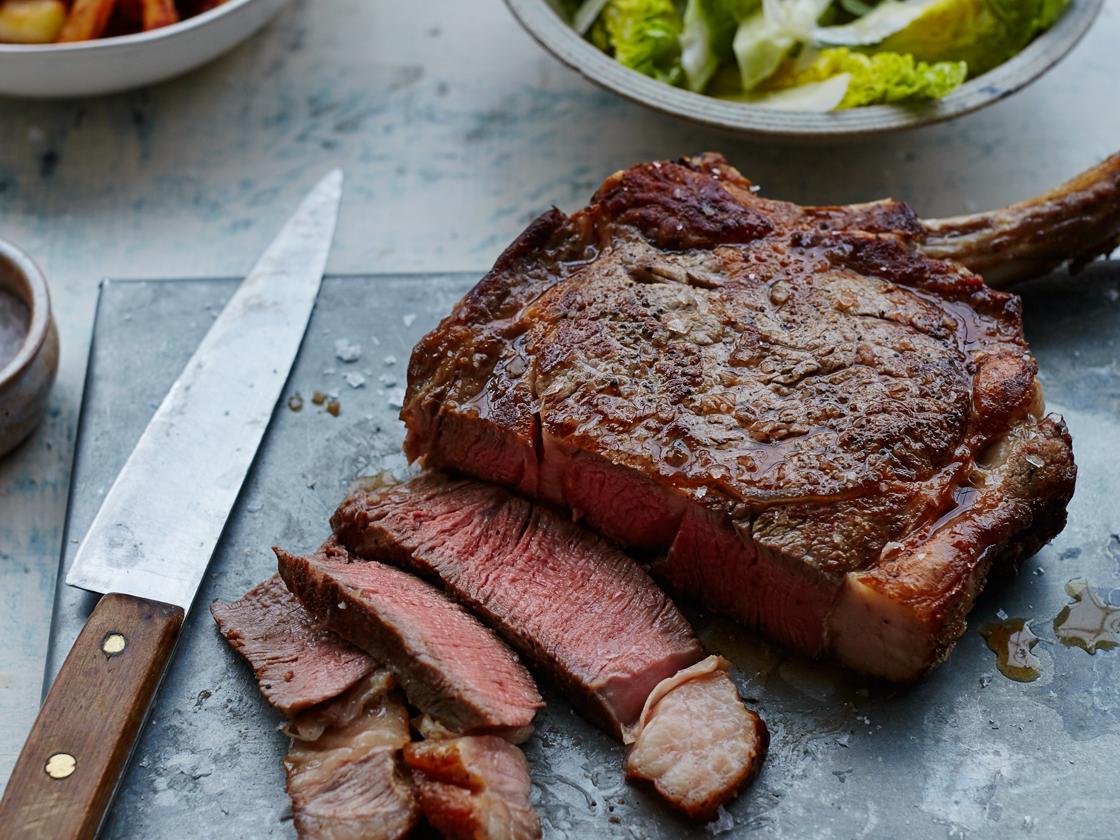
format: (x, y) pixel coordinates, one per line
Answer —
(69, 768)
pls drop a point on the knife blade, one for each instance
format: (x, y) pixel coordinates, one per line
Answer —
(161, 519)
(151, 541)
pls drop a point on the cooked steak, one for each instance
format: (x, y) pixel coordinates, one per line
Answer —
(566, 599)
(696, 741)
(297, 662)
(581, 610)
(452, 667)
(814, 427)
(474, 788)
(344, 774)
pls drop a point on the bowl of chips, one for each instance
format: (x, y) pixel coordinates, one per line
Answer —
(76, 48)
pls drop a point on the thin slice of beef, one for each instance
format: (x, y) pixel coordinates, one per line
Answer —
(696, 741)
(344, 773)
(474, 788)
(451, 666)
(297, 662)
(584, 612)
(566, 599)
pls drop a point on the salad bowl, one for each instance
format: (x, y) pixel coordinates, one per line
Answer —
(543, 20)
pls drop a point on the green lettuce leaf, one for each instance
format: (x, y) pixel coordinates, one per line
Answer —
(645, 36)
(709, 29)
(767, 37)
(983, 33)
(584, 13)
(820, 96)
(876, 25)
(857, 7)
(877, 79)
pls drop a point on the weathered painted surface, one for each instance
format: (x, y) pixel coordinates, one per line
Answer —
(455, 129)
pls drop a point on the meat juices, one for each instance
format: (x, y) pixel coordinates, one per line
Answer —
(813, 427)
(298, 663)
(474, 788)
(451, 666)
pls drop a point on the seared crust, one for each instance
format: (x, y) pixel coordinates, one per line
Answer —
(923, 587)
(686, 364)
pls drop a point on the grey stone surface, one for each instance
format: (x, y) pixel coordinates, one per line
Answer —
(966, 753)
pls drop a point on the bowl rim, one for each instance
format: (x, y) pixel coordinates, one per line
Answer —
(39, 305)
(183, 27)
(541, 21)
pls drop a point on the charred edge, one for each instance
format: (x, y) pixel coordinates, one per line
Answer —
(676, 206)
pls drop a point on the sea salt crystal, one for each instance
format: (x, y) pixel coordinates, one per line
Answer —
(723, 822)
(408, 319)
(355, 380)
(396, 397)
(347, 351)
(390, 361)
(1001, 615)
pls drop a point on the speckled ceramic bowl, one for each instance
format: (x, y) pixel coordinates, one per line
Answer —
(27, 377)
(541, 20)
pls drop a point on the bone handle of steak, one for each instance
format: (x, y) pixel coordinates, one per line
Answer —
(1076, 222)
(68, 770)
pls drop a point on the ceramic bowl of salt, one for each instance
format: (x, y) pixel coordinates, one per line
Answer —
(28, 346)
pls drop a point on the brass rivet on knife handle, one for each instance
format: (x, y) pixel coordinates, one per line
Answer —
(77, 749)
(60, 765)
(113, 644)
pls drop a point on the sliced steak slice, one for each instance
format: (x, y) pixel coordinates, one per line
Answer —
(583, 611)
(566, 599)
(696, 741)
(768, 398)
(344, 774)
(452, 667)
(474, 788)
(297, 662)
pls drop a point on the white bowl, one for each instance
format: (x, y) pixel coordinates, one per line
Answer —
(107, 65)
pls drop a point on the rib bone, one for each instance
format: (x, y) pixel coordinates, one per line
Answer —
(1074, 223)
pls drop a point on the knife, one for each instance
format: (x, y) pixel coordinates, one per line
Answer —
(151, 541)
